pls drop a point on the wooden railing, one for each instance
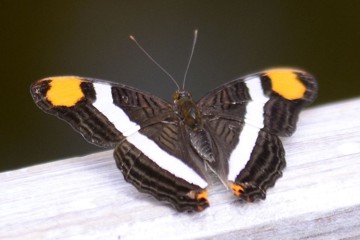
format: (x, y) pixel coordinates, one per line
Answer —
(318, 196)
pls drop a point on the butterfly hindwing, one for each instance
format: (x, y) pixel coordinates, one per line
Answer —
(259, 170)
(151, 146)
(153, 170)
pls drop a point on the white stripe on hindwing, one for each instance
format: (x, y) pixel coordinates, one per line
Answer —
(254, 121)
(105, 104)
(165, 160)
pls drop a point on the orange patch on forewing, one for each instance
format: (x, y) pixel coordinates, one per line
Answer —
(64, 91)
(237, 189)
(286, 83)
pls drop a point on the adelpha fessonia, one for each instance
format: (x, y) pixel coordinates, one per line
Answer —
(166, 149)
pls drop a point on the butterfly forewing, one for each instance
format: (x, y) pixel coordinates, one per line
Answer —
(71, 99)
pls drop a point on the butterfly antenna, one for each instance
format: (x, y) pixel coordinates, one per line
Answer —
(153, 60)
(191, 55)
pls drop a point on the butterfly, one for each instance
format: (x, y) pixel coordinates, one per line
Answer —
(166, 149)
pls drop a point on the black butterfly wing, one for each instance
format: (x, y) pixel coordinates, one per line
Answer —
(245, 118)
(70, 99)
(151, 144)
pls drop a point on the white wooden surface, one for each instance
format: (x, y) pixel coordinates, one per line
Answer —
(318, 196)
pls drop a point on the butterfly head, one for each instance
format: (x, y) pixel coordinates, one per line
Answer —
(180, 95)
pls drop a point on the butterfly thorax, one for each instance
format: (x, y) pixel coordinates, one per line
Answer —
(187, 110)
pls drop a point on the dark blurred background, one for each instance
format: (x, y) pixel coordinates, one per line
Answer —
(90, 38)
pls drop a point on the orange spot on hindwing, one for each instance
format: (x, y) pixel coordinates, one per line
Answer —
(65, 91)
(203, 201)
(236, 189)
(202, 196)
(286, 83)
